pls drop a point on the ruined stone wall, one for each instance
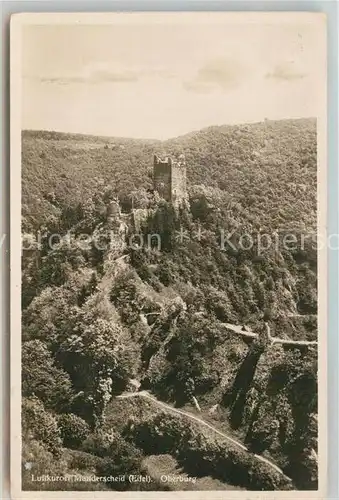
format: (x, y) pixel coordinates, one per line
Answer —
(178, 184)
(162, 177)
(139, 216)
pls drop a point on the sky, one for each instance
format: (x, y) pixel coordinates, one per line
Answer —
(166, 78)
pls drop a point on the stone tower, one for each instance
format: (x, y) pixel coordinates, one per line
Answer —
(169, 178)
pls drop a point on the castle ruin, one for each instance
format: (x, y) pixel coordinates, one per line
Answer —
(169, 182)
(169, 177)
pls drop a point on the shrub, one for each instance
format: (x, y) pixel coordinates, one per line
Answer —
(40, 424)
(83, 461)
(37, 460)
(263, 477)
(74, 429)
(122, 458)
(98, 443)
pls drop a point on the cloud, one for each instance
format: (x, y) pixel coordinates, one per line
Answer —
(90, 73)
(199, 88)
(94, 77)
(224, 74)
(285, 72)
(102, 72)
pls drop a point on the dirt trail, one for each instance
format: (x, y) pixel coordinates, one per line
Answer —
(167, 407)
(274, 340)
(115, 266)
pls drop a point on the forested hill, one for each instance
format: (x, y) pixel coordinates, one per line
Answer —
(101, 316)
(268, 169)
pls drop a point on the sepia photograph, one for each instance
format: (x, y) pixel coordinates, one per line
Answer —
(168, 248)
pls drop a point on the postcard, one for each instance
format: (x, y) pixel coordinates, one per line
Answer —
(168, 255)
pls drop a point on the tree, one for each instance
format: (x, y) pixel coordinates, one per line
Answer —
(42, 378)
(263, 431)
(51, 316)
(41, 425)
(98, 355)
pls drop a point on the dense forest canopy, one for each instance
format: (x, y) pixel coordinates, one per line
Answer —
(96, 318)
(266, 171)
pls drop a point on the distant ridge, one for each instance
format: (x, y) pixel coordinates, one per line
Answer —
(269, 166)
(54, 134)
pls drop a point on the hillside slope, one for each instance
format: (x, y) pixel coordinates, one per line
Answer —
(95, 317)
(269, 169)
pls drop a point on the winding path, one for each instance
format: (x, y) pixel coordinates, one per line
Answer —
(167, 407)
(274, 340)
